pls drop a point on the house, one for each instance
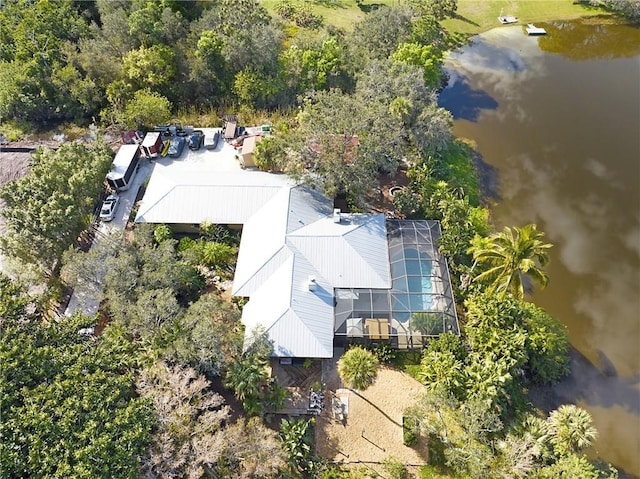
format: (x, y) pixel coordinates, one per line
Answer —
(315, 277)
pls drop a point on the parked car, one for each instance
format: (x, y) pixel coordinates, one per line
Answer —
(176, 147)
(108, 210)
(196, 140)
(211, 141)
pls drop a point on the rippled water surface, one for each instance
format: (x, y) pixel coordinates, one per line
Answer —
(558, 117)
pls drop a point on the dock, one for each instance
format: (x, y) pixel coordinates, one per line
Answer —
(506, 19)
(533, 30)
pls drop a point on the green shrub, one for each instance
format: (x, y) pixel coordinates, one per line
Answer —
(185, 244)
(162, 233)
(385, 353)
(395, 469)
(410, 431)
(301, 15)
(285, 9)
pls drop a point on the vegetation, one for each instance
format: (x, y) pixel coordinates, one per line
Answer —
(144, 398)
(69, 405)
(358, 368)
(510, 255)
(46, 210)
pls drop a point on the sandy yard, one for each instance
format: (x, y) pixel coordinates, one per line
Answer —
(372, 428)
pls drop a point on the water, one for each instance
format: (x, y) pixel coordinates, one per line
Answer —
(557, 119)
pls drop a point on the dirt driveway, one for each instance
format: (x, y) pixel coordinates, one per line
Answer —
(372, 427)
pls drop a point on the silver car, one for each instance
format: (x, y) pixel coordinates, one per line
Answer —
(108, 210)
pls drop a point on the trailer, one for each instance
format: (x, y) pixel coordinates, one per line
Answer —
(124, 167)
(152, 144)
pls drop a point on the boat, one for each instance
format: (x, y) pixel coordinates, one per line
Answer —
(533, 30)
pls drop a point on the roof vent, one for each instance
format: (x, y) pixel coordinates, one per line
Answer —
(336, 215)
(313, 285)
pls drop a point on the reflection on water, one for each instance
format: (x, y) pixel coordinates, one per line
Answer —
(563, 130)
(586, 41)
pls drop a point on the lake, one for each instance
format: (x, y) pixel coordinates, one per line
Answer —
(557, 121)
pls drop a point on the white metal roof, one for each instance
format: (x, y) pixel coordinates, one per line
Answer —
(263, 236)
(298, 321)
(294, 238)
(193, 196)
(352, 252)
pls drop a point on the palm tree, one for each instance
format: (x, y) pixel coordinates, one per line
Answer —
(509, 255)
(358, 368)
(246, 377)
(570, 429)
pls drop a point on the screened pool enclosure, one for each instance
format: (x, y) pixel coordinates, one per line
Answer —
(420, 302)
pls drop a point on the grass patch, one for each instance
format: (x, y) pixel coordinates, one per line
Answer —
(475, 16)
(339, 13)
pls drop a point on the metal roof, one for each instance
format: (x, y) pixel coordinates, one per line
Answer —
(292, 239)
(221, 197)
(351, 253)
(263, 236)
(299, 321)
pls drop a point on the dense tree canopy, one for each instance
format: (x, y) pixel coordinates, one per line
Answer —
(47, 209)
(69, 406)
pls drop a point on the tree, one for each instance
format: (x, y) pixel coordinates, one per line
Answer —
(40, 85)
(296, 435)
(251, 450)
(254, 88)
(510, 255)
(460, 433)
(572, 465)
(69, 406)
(314, 66)
(442, 365)
(146, 109)
(571, 430)
(358, 368)
(245, 378)
(525, 335)
(439, 9)
(380, 32)
(207, 336)
(154, 67)
(424, 56)
(189, 417)
(547, 345)
(47, 209)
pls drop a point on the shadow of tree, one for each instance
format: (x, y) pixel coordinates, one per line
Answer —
(376, 407)
(488, 177)
(457, 16)
(369, 7)
(598, 386)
